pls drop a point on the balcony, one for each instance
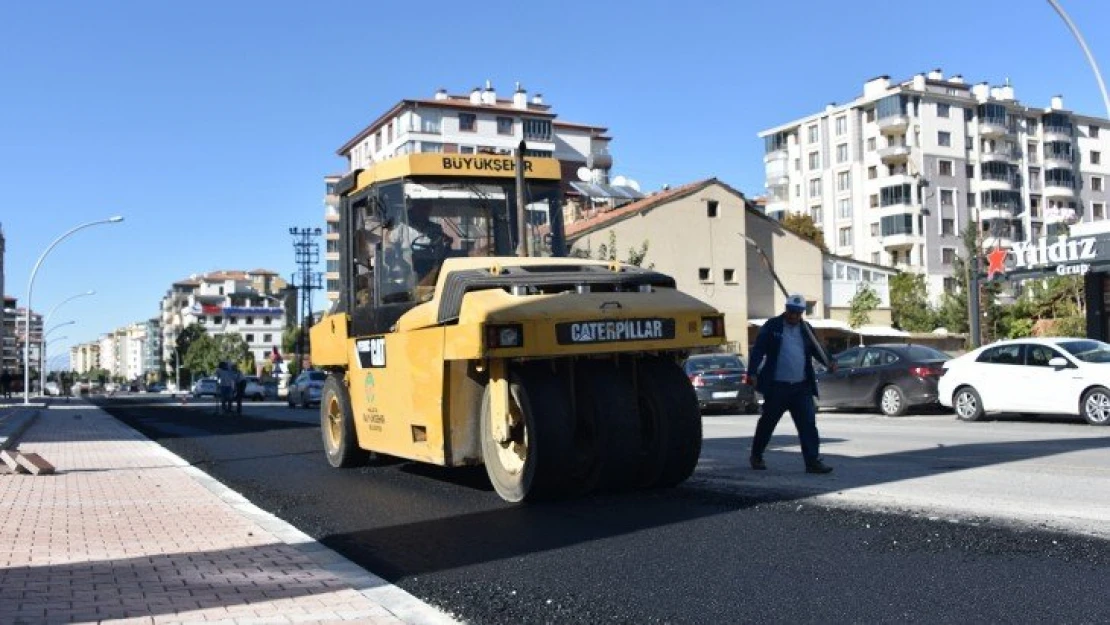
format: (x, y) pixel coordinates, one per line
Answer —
(1002, 155)
(778, 200)
(1060, 215)
(996, 211)
(996, 182)
(893, 124)
(1059, 189)
(779, 154)
(778, 173)
(995, 127)
(1057, 133)
(1059, 160)
(901, 241)
(996, 240)
(901, 208)
(894, 154)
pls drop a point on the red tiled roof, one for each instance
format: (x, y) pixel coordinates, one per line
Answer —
(601, 220)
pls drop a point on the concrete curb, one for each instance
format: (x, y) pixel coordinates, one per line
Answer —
(13, 423)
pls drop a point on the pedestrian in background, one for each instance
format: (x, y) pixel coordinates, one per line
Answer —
(5, 384)
(240, 387)
(225, 377)
(783, 361)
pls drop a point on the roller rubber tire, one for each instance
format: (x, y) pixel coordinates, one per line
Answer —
(337, 426)
(677, 439)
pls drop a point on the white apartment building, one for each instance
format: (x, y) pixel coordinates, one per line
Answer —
(84, 357)
(248, 303)
(480, 122)
(894, 176)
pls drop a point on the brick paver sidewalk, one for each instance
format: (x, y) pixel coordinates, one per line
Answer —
(126, 530)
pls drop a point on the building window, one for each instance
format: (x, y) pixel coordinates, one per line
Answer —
(468, 122)
(267, 320)
(250, 321)
(814, 160)
(871, 144)
(389, 132)
(876, 257)
(969, 170)
(798, 190)
(233, 320)
(844, 237)
(266, 338)
(378, 141)
(844, 181)
(947, 197)
(945, 168)
(1092, 132)
(841, 125)
(971, 200)
(504, 125)
(811, 134)
(539, 129)
(730, 275)
(703, 274)
(217, 320)
(1096, 157)
(815, 187)
(944, 139)
(249, 338)
(842, 153)
(711, 209)
(870, 115)
(797, 164)
(844, 208)
(874, 200)
(875, 229)
(202, 319)
(1098, 210)
(872, 172)
(1096, 183)
(948, 227)
(942, 110)
(815, 215)
(947, 255)
(949, 285)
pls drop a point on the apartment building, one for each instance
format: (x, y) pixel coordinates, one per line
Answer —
(84, 357)
(22, 336)
(481, 122)
(894, 176)
(9, 346)
(252, 304)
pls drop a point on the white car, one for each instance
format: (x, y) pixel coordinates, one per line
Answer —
(1068, 376)
(254, 389)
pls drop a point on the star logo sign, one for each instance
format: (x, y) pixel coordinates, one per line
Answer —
(996, 260)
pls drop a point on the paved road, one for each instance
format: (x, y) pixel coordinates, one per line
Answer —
(925, 519)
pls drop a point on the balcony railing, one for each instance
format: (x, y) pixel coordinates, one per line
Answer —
(1058, 130)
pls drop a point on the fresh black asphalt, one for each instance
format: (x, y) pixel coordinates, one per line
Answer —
(699, 553)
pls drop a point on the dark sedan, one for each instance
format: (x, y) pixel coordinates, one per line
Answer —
(891, 378)
(721, 381)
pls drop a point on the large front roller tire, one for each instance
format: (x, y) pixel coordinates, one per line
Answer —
(337, 426)
(609, 442)
(531, 462)
(672, 423)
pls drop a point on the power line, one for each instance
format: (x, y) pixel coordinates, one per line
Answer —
(306, 252)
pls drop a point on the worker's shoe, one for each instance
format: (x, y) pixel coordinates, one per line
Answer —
(816, 466)
(757, 463)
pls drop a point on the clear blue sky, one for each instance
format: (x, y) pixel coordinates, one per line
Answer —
(209, 125)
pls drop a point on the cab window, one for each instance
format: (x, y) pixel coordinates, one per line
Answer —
(848, 359)
(1002, 355)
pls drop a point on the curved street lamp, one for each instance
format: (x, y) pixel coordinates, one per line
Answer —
(42, 354)
(45, 322)
(30, 289)
(1083, 44)
(46, 319)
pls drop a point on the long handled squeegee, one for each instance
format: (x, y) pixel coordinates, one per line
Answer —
(821, 353)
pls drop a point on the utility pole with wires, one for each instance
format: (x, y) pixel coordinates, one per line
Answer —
(307, 255)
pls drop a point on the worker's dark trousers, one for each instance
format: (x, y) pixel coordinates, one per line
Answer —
(796, 398)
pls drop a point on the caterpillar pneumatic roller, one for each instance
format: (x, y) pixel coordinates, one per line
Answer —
(464, 335)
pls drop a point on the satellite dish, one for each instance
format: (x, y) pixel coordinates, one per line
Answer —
(585, 175)
(633, 184)
(620, 181)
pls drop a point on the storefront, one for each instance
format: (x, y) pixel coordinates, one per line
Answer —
(1085, 252)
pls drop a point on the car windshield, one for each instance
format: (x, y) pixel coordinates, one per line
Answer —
(1088, 351)
(720, 362)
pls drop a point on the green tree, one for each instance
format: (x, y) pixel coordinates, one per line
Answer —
(863, 303)
(909, 303)
(608, 252)
(803, 225)
(953, 313)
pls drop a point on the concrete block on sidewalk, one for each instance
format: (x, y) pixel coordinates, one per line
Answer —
(34, 463)
(11, 460)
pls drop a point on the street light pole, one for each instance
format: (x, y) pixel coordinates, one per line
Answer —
(45, 322)
(1083, 44)
(42, 355)
(30, 289)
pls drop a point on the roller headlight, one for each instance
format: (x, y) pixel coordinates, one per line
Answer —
(499, 336)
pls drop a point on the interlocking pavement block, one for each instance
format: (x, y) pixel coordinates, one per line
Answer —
(11, 459)
(34, 463)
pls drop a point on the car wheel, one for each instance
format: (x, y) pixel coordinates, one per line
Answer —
(892, 401)
(967, 404)
(1096, 406)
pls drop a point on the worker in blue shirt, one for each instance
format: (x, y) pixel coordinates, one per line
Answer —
(782, 360)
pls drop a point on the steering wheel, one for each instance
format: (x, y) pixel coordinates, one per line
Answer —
(425, 243)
